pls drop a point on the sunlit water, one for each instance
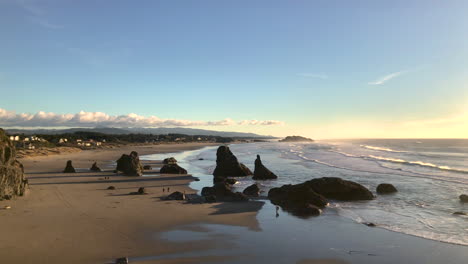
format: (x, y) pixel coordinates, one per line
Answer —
(429, 176)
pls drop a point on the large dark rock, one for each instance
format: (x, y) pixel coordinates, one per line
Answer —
(12, 179)
(261, 172)
(386, 188)
(130, 164)
(123, 260)
(339, 189)
(223, 192)
(464, 198)
(227, 164)
(172, 169)
(69, 168)
(170, 160)
(299, 199)
(175, 196)
(95, 167)
(252, 190)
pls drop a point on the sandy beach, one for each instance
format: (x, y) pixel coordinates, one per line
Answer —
(73, 218)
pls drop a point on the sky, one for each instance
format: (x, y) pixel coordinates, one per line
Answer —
(321, 69)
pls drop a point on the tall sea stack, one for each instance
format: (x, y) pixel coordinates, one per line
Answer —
(227, 164)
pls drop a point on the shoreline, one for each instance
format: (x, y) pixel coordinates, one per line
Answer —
(72, 218)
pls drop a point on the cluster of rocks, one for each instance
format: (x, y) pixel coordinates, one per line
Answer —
(12, 179)
(221, 191)
(308, 198)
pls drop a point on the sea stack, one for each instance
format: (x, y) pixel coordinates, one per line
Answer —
(95, 167)
(69, 168)
(227, 164)
(261, 172)
(12, 180)
(130, 164)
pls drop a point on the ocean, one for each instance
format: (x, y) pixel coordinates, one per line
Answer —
(429, 174)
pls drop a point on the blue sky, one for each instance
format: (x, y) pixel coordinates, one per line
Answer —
(320, 68)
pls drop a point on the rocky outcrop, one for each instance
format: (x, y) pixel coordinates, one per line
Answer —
(339, 189)
(170, 160)
(464, 198)
(227, 164)
(69, 168)
(12, 179)
(306, 199)
(172, 169)
(386, 188)
(252, 190)
(299, 199)
(222, 192)
(130, 164)
(175, 196)
(95, 167)
(261, 172)
(296, 139)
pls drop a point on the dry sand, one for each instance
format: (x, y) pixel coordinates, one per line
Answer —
(73, 218)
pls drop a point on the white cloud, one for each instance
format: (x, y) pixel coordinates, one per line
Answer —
(387, 78)
(262, 123)
(313, 75)
(92, 119)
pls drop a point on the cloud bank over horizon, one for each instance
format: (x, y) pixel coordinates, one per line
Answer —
(92, 119)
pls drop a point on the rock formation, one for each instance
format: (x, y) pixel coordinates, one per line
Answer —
(261, 172)
(172, 169)
(170, 160)
(339, 189)
(464, 198)
(299, 199)
(296, 139)
(222, 192)
(227, 164)
(386, 188)
(252, 190)
(12, 180)
(130, 164)
(69, 168)
(95, 167)
(175, 196)
(307, 198)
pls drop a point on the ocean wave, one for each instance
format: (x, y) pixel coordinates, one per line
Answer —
(382, 149)
(416, 163)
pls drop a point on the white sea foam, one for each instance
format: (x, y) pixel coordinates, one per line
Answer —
(382, 149)
(417, 163)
